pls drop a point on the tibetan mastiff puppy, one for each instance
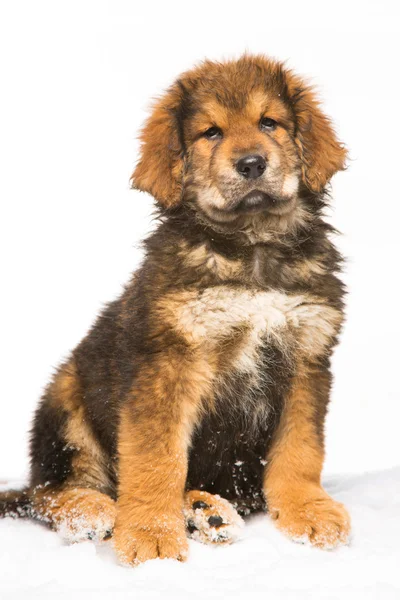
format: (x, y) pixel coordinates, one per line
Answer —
(200, 394)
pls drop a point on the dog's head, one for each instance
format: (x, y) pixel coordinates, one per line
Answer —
(236, 139)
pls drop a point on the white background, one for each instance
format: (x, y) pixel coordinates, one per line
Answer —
(76, 79)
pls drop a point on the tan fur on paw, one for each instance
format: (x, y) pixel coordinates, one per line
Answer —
(77, 514)
(211, 519)
(136, 544)
(314, 518)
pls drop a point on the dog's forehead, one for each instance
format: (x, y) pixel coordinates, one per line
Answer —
(233, 81)
(243, 90)
(239, 107)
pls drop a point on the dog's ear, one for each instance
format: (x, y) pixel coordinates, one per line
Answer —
(160, 167)
(321, 152)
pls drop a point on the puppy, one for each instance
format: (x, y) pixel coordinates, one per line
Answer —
(202, 391)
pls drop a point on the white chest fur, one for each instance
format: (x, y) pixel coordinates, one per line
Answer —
(206, 317)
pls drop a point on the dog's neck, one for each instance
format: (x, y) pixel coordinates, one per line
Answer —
(251, 229)
(284, 257)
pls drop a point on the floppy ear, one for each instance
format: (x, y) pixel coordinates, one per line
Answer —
(321, 152)
(160, 167)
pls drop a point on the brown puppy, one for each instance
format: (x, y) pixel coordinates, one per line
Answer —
(210, 375)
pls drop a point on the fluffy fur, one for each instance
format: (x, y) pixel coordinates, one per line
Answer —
(210, 374)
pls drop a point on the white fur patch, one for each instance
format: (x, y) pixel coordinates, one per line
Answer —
(209, 198)
(208, 316)
(290, 185)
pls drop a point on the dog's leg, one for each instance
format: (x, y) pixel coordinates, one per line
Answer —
(211, 519)
(296, 500)
(154, 436)
(71, 478)
(76, 513)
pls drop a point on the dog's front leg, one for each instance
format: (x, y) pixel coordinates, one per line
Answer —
(296, 500)
(154, 435)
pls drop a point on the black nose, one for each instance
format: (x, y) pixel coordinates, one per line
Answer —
(251, 166)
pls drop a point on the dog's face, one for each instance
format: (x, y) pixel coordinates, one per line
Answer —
(242, 156)
(237, 139)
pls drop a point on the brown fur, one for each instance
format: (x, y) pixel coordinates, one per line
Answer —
(292, 483)
(76, 512)
(89, 465)
(321, 153)
(210, 376)
(152, 477)
(159, 170)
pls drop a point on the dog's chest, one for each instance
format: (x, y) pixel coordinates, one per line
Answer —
(291, 322)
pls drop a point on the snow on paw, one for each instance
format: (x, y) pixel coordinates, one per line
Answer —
(321, 521)
(135, 545)
(84, 515)
(211, 519)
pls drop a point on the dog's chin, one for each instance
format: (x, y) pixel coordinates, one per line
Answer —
(258, 201)
(253, 203)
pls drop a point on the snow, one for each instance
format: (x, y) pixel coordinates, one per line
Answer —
(77, 79)
(262, 563)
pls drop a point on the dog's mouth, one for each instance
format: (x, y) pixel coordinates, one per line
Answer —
(254, 202)
(257, 201)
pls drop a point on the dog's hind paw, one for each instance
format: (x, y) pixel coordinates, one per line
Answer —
(211, 519)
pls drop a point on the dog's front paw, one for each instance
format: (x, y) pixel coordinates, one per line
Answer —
(314, 518)
(136, 544)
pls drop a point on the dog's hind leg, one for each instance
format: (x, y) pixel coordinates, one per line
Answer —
(76, 513)
(211, 519)
(72, 478)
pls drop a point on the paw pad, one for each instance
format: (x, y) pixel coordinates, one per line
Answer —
(199, 504)
(191, 527)
(215, 521)
(211, 520)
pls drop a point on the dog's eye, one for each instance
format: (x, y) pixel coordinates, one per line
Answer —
(214, 133)
(268, 124)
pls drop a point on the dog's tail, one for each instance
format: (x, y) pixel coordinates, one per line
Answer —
(16, 504)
